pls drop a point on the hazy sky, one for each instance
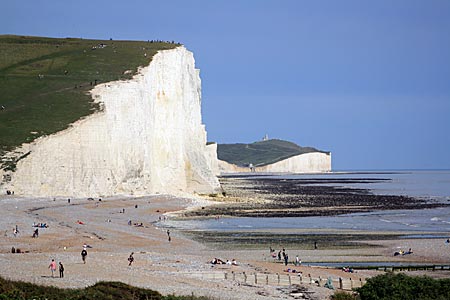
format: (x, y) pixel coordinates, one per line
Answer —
(367, 80)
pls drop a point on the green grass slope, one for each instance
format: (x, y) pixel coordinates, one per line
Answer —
(44, 82)
(102, 290)
(260, 153)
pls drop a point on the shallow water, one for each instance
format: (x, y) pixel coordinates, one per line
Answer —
(432, 185)
(435, 220)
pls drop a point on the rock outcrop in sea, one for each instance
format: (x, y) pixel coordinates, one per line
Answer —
(147, 138)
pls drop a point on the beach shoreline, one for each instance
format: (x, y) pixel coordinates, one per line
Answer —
(159, 264)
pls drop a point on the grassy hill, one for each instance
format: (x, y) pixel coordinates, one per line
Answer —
(44, 82)
(260, 153)
(102, 290)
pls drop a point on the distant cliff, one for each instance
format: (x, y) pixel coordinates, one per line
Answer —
(275, 156)
(148, 137)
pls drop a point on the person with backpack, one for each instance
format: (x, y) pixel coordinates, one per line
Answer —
(83, 255)
(130, 259)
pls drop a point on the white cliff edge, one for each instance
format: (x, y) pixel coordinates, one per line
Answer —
(148, 138)
(314, 162)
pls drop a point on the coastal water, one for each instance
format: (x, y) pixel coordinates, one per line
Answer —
(430, 185)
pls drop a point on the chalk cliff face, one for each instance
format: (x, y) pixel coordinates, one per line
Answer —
(148, 138)
(314, 162)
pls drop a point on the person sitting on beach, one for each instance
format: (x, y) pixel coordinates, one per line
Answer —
(289, 270)
(234, 262)
(408, 252)
(218, 261)
(347, 269)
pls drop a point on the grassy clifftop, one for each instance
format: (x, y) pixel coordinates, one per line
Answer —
(44, 82)
(260, 153)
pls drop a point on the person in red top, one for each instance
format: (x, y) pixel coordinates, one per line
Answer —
(52, 266)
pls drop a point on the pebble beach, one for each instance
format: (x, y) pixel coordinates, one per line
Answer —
(162, 265)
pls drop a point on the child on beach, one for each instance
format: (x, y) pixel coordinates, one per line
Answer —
(61, 270)
(52, 266)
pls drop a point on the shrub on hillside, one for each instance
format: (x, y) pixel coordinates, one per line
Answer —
(403, 287)
(18, 290)
(340, 295)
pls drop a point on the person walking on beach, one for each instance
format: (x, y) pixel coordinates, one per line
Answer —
(168, 235)
(61, 270)
(130, 259)
(286, 258)
(83, 255)
(297, 261)
(52, 266)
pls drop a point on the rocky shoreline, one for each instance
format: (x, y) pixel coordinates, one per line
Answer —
(253, 196)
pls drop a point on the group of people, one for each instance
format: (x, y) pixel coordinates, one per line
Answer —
(283, 253)
(218, 261)
(52, 268)
(280, 253)
(402, 252)
(84, 254)
(347, 269)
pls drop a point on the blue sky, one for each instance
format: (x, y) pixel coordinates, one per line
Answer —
(367, 80)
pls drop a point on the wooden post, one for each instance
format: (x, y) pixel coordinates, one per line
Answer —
(320, 281)
(245, 277)
(267, 279)
(309, 275)
(341, 285)
(351, 283)
(256, 278)
(278, 275)
(289, 277)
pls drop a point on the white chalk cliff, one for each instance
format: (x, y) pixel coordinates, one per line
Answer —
(313, 162)
(148, 138)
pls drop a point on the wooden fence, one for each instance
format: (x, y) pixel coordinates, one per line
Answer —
(278, 279)
(287, 279)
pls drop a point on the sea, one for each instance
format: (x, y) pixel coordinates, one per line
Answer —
(431, 185)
